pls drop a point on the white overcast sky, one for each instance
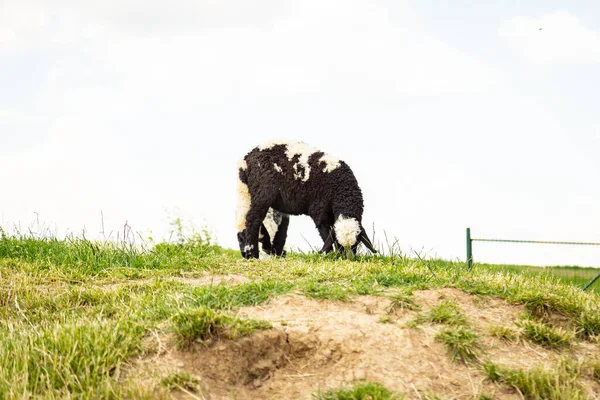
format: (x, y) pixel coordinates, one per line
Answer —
(451, 114)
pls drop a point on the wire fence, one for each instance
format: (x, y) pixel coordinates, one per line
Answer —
(470, 241)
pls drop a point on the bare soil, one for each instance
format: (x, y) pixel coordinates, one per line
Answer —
(318, 345)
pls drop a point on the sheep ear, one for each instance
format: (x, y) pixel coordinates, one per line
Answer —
(366, 241)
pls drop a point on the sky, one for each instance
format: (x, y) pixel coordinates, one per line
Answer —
(452, 114)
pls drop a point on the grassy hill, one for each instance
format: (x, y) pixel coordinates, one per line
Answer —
(80, 319)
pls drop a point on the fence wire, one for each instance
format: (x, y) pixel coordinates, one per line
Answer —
(470, 241)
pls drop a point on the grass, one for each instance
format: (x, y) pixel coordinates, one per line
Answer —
(74, 312)
(77, 357)
(572, 275)
(543, 334)
(595, 368)
(538, 383)
(202, 324)
(460, 341)
(360, 391)
(504, 332)
(180, 380)
(447, 312)
(401, 300)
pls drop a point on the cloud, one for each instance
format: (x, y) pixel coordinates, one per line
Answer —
(198, 53)
(557, 38)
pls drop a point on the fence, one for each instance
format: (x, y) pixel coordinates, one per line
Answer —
(470, 241)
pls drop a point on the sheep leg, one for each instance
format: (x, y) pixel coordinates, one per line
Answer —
(281, 236)
(328, 240)
(254, 219)
(265, 239)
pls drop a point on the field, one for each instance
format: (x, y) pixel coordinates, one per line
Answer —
(190, 320)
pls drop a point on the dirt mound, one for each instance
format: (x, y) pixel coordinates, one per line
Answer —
(317, 345)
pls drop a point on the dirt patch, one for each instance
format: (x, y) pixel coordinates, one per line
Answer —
(207, 280)
(317, 345)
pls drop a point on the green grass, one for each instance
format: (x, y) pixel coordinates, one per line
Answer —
(77, 357)
(74, 312)
(461, 342)
(538, 383)
(546, 335)
(202, 324)
(446, 312)
(360, 391)
(572, 275)
(504, 332)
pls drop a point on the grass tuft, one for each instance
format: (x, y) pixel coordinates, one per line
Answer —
(202, 324)
(180, 380)
(447, 312)
(402, 300)
(588, 323)
(559, 383)
(540, 333)
(361, 391)
(504, 332)
(461, 342)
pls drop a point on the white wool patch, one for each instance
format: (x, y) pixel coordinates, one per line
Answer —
(278, 168)
(242, 164)
(243, 205)
(271, 224)
(304, 151)
(292, 148)
(346, 231)
(331, 162)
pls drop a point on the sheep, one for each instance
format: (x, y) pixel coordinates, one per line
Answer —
(294, 178)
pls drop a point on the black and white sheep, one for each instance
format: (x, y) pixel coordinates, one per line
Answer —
(294, 178)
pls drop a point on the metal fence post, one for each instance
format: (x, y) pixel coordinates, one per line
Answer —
(590, 283)
(469, 250)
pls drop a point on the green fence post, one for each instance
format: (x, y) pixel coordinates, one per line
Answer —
(469, 249)
(590, 283)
